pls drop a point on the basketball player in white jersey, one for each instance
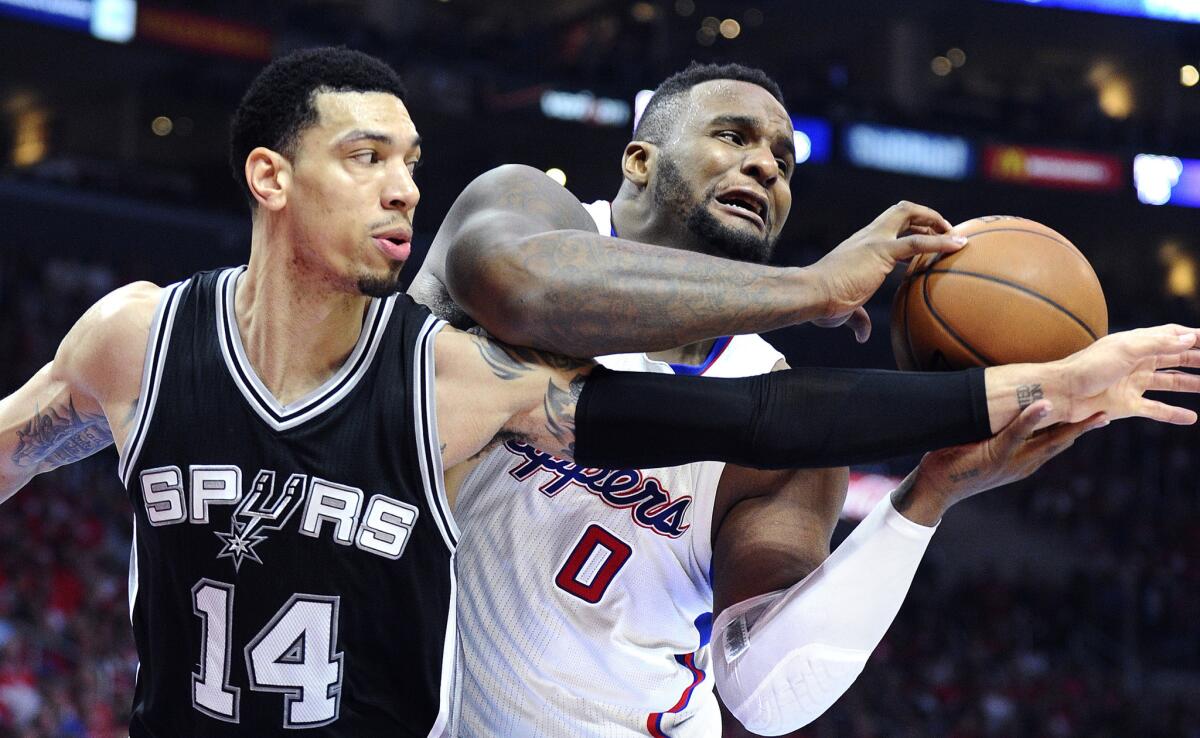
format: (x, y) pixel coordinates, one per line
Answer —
(589, 594)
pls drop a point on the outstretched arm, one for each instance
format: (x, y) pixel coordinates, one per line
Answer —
(521, 256)
(793, 418)
(75, 404)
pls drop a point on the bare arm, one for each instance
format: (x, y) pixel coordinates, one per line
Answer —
(776, 533)
(82, 401)
(488, 390)
(520, 255)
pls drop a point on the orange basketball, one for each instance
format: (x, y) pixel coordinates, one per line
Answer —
(1018, 291)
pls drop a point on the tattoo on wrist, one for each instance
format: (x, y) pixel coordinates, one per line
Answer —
(964, 475)
(1027, 394)
(60, 435)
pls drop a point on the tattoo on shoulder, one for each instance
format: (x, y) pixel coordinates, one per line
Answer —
(60, 435)
(1027, 394)
(512, 362)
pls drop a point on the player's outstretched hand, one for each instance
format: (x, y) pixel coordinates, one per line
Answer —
(950, 475)
(853, 271)
(1114, 373)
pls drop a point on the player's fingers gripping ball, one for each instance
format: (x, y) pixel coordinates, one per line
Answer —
(1017, 292)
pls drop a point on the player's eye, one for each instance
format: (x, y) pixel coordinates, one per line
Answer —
(413, 166)
(783, 165)
(367, 156)
(732, 137)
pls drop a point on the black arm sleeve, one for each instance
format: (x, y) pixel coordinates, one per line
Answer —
(788, 419)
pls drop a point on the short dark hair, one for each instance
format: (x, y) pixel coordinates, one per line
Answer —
(279, 104)
(663, 109)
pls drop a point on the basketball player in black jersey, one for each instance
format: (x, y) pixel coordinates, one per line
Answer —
(282, 429)
(707, 175)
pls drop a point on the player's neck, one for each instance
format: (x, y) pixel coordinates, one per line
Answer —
(296, 328)
(636, 219)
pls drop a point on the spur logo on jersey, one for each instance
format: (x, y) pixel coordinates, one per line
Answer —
(262, 511)
(652, 506)
(380, 526)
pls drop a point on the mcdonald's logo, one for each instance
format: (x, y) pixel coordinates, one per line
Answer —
(1008, 163)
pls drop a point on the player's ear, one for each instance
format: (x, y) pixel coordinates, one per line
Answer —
(268, 174)
(637, 161)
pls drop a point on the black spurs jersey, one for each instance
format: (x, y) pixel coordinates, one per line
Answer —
(293, 566)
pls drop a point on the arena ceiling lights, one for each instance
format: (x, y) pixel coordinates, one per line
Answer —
(1183, 11)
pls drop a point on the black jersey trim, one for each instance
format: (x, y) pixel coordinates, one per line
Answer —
(283, 417)
(429, 448)
(156, 350)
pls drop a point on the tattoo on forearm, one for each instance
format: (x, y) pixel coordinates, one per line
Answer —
(964, 475)
(666, 298)
(559, 406)
(1027, 394)
(512, 362)
(60, 435)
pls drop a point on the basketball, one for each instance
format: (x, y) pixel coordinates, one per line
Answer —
(1018, 291)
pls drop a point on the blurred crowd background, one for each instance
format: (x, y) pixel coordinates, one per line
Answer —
(1066, 605)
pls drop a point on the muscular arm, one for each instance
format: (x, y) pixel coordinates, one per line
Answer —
(776, 532)
(517, 252)
(75, 404)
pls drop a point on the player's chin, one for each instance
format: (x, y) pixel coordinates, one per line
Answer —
(380, 283)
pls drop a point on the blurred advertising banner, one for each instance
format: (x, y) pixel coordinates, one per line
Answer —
(1052, 168)
(906, 151)
(813, 138)
(1167, 180)
(204, 34)
(108, 20)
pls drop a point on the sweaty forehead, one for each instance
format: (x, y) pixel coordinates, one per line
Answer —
(338, 112)
(722, 97)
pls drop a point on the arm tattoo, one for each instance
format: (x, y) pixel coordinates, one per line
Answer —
(588, 283)
(512, 362)
(60, 435)
(1027, 394)
(559, 406)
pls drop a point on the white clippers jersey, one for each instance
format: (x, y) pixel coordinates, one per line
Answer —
(585, 603)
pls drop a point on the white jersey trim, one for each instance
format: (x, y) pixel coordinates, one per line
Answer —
(133, 572)
(157, 343)
(429, 445)
(447, 702)
(429, 456)
(283, 417)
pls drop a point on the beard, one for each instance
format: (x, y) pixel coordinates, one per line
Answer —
(672, 195)
(380, 286)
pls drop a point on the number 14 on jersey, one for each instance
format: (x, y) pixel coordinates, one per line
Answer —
(293, 655)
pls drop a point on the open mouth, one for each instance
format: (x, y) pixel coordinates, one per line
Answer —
(396, 247)
(746, 205)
